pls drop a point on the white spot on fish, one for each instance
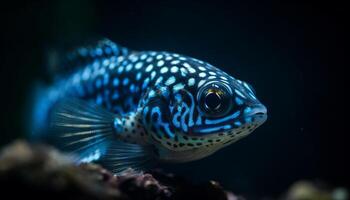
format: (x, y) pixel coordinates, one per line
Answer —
(159, 80)
(159, 57)
(212, 73)
(112, 66)
(143, 56)
(224, 81)
(152, 93)
(120, 69)
(239, 93)
(183, 71)
(201, 82)
(149, 59)
(96, 65)
(178, 86)
(202, 68)
(138, 76)
(102, 70)
(191, 70)
(170, 80)
(105, 79)
(115, 82)
(175, 62)
(186, 65)
(133, 58)
(153, 74)
(128, 67)
(202, 74)
(160, 63)
(149, 68)
(125, 81)
(251, 95)
(138, 65)
(105, 62)
(224, 78)
(86, 73)
(145, 83)
(174, 69)
(120, 58)
(191, 82)
(164, 70)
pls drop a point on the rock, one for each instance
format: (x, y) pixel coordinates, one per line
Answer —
(312, 190)
(40, 171)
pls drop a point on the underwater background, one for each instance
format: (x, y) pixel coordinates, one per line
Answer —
(292, 53)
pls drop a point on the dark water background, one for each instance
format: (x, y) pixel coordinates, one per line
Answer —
(292, 53)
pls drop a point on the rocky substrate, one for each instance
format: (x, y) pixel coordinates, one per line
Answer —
(39, 171)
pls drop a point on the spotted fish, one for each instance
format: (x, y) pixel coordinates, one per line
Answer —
(130, 108)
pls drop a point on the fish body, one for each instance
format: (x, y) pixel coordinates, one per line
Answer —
(128, 107)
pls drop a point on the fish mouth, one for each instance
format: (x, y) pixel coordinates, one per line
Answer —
(258, 109)
(258, 113)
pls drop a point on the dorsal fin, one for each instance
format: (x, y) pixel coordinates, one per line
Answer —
(64, 62)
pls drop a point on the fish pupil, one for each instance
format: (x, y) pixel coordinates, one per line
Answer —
(213, 101)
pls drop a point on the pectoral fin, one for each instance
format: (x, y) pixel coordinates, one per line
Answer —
(89, 133)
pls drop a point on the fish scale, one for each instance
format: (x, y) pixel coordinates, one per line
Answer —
(162, 105)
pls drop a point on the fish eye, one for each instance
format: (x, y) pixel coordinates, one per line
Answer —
(214, 100)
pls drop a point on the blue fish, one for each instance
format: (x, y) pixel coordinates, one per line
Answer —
(126, 108)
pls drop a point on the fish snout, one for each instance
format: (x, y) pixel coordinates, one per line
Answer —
(258, 113)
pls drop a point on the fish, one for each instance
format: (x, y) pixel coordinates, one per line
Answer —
(130, 109)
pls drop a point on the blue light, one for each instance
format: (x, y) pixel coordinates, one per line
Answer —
(248, 119)
(115, 82)
(138, 76)
(105, 79)
(238, 123)
(83, 52)
(98, 83)
(108, 50)
(247, 110)
(125, 81)
(99, 100)
(161, 123)
(132, 88)
(209, 130)
(216, 121)
(239, 101)
(145, 83)
(99, 51)
(115, 95)
(118, 125)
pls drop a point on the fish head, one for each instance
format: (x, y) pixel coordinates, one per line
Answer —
(217, 107)
(195, 109)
